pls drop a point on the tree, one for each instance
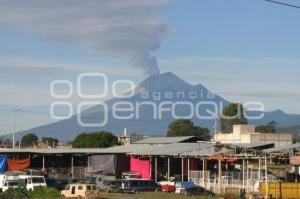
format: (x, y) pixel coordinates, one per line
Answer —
(235, 114)
(268, 128)
(184, 127)
(50, 140)
(29, 139)
(101, 139)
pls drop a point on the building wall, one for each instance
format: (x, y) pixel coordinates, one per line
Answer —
(243, 129)
(247, 134)
(278, 139)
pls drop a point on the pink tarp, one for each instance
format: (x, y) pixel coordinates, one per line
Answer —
(140, 166)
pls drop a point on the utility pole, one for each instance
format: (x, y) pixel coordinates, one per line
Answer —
(215, 128)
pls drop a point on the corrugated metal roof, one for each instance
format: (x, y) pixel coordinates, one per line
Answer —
(170, 149)
(116, 149)
(128, 148)
(251, 145)
(209, 151)
(164, 140)
(173, 149)
(53, 150)
(281, 148)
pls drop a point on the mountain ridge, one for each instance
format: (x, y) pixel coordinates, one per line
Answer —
(145, 124)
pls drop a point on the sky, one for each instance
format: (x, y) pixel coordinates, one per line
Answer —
(241, 49)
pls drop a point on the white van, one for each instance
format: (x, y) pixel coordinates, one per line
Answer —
(10, 184)
(32, 181)
(8, 180)
(80, 190)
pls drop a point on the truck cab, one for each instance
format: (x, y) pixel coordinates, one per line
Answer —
(10, 184)
(32, 181)
(8, 181)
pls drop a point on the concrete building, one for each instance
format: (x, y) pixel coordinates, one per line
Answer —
(129, 139)
(246, 134)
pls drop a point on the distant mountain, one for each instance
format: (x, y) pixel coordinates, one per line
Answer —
(154, 91)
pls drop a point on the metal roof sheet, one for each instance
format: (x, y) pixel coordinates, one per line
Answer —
(131, 149)
(164, 140)
(209, 151)
(171, 149)
(281, 148)
(251, 145)
(53, 150)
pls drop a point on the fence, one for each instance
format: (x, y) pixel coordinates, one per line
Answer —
(229, 181)
(78, 172)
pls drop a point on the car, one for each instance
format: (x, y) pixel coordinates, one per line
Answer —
(167, 186)
(198, 191)
(138, 185)
(102, 180)
(54, 183)
(130, 175)
(190, 189)
(111, 186)
(182, 186)
(80, 190)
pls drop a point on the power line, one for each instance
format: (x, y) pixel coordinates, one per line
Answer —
(282, 3)
(36, 112)
(25, 111)
(5, 110)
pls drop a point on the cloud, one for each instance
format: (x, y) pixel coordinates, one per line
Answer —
(131, 29)
(234, 68)
(27, 66)
(30, 71)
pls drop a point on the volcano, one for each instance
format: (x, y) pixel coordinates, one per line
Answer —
(149, 110)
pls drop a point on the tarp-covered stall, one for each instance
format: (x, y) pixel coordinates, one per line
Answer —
(17, 165)
(109, 163)
(141, 166)
(3, 159)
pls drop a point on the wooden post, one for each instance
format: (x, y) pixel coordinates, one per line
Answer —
(188, 169)
(150, 167)
(259, 169)
(247, 173)
(182, 169)
(43, 163)
(72, 166)
(155, 167)
(220, 175)
(243, 173)
(203, 173)
(168, 169)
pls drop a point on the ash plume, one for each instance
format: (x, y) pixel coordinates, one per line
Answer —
(131, 29)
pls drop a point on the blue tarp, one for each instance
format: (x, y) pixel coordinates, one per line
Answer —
(3, 159)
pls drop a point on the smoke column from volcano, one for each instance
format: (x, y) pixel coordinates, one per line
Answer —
(131, 29)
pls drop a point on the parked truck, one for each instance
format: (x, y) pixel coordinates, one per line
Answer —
(287, 190)
(32, 181)
(8, 181)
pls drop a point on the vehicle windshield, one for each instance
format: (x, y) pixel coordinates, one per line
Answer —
(38, 180)
(178, 185)
(12, 183)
